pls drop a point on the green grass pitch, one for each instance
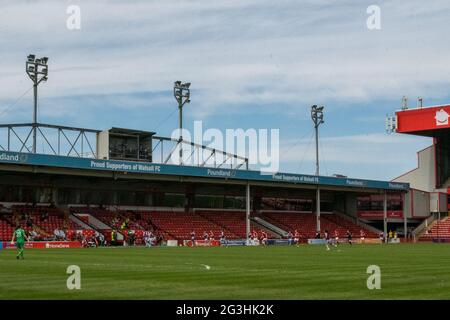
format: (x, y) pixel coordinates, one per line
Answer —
(408, 271)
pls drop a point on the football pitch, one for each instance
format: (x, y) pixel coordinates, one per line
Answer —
(408, 271)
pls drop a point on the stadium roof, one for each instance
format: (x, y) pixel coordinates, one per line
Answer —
(133, 132)
(166, 171)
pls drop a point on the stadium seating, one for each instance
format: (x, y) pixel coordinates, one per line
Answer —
(114, 219)
(439, 230)
(54, 219)
(123, 221)
(345, 224)
(232, 221)
(179, 225)
(305, 223)
(6, 230)
(43, 219)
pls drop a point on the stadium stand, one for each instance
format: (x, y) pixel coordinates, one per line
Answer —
(6, 229)
(179, 225)
(43, 219)
(305, 223)
(439, 230)
(345, 224)
(123, 221)
(172, 224)
(46, 218)
(233, 222)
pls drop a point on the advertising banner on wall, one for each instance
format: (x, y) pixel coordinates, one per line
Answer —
(45, 245)
(202, 243)
(377, 214)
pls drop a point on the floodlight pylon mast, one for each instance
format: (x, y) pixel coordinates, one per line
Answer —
(37, 70)
(182, 94)
(317, 118)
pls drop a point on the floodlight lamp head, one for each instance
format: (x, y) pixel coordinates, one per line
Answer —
(31, 57)
(187, 85)
(177, 83)
(44, 60)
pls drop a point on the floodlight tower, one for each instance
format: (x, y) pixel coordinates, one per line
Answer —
(182, 94)
(37, 70)
(317, 118)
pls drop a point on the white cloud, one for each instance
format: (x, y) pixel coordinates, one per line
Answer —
(234, 52)
(240, 55)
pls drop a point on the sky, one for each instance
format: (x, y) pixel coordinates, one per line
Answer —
(252, 64)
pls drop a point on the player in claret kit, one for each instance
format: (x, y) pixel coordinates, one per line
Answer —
(20, 237)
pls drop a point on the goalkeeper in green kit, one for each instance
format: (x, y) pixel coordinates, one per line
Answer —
(20, 236)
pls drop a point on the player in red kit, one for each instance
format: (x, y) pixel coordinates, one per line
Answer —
(296, 237)
(336, 238)
(264, 238)
(362, 235)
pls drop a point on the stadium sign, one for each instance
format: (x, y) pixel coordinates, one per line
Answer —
(176, 170)
(374, 214)
(423, 119)
(9, 157)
